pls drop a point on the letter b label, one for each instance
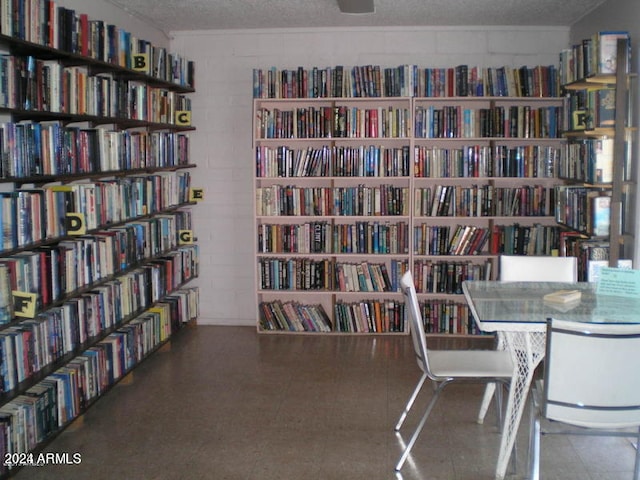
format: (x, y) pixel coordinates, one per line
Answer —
(140, 62)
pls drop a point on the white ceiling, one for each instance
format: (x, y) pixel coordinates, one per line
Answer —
(175, 15)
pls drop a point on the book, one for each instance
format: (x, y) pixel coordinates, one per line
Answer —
(606, 51)
(603, 160)
(563, 296)
(601, 215)
(604, 109)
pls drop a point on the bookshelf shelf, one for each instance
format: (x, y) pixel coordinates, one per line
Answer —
(21, 114)
(594, 81)
(183, 84)
(94, 265)
(42, 179)
(517, 161)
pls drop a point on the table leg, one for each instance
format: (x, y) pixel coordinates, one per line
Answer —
(527, 350)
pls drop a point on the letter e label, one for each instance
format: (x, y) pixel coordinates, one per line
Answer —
(196, 194)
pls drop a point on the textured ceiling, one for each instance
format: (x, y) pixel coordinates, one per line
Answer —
(174, 15)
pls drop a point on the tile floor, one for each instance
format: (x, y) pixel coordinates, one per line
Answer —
(226, 403)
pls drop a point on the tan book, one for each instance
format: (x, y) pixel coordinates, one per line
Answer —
(563, 296)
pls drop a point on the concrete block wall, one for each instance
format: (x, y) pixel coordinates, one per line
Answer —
(222, 114)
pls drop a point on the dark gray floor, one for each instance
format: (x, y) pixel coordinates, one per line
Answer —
(226, 403)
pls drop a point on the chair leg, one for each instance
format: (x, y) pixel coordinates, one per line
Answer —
(490, 388)
(499, 412)
(486, 400)
(534, 443)
(412, 399)
(415, 435)
(636, 470)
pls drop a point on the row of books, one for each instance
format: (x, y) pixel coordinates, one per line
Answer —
(369, 316)
(322, 237)
(32, 282)
(371, 238)
(584, 209)
(30, 345)
(48, 406)
(483, 201)
(295, 274)
(447, 316)
(31, 149)
(308, 237)
(447, 276)
(325, 274)
(589, 160)
(406, 81)
(293, 316)
(332, 161)
(369, 277)
(592, 254)
(363, 200)
(447, 240)
(333, 122)
(52, 272)
(518, 121)
(591, 109)
(366, 316)
(33, 215)
(523, 161)
(595, 55)
(45, 22)
(33, 84)
(525, 239)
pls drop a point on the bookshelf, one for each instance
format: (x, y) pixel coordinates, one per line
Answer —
(95, 206)
(353, 183)
(332, 212)
(599, 166)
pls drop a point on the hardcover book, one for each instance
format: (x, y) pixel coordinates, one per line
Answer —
(606, 51)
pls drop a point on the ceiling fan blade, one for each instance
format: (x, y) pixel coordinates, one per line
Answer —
(356, 6)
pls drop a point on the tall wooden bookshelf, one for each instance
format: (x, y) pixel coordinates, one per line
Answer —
(599, 166)
(474, 175)
(94, 266)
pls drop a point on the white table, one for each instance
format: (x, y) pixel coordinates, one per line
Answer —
(517, 311)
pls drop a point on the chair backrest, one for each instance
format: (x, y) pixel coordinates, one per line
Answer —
(414, 317)
(591, 374)
(533, 268)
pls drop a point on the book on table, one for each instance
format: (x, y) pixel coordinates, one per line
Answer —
(563, 296)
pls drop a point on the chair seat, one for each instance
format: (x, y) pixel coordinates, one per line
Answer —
(471, 363)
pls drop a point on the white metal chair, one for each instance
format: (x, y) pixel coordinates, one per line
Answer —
(530, 268)
(591, 383)
(445, 366)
